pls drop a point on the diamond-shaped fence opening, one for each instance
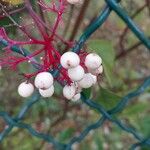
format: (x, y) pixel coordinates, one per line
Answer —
(104, 115)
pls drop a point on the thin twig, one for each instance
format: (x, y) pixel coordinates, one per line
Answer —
(79, 19)
(8, 15)
(68, 22)
(128, 50)
(122, 36)
(13, 12)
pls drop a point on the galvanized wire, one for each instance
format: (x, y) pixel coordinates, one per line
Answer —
(17, 121)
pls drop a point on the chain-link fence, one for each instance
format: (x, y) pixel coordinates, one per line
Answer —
(17, 121)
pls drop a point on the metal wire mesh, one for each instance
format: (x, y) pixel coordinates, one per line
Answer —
(17, 121)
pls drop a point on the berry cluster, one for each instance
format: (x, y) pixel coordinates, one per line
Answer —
(74, 71)
(83, 74)
(43, 81)
(80, 75)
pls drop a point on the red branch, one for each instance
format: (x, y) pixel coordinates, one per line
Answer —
(50, 55)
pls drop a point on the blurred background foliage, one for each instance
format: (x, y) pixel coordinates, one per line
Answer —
(126, 65)
(13, 2)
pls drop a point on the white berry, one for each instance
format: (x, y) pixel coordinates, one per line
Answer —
(93, 61)
(76, 74)
(94, 78)
(48, 92)
(78, 88)
(25, 89)
(74, 1)
(99, 70)
(76, 97)
(96, 71)
(69, 91)
(69, 60)
(43, 80)
(87, 81)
